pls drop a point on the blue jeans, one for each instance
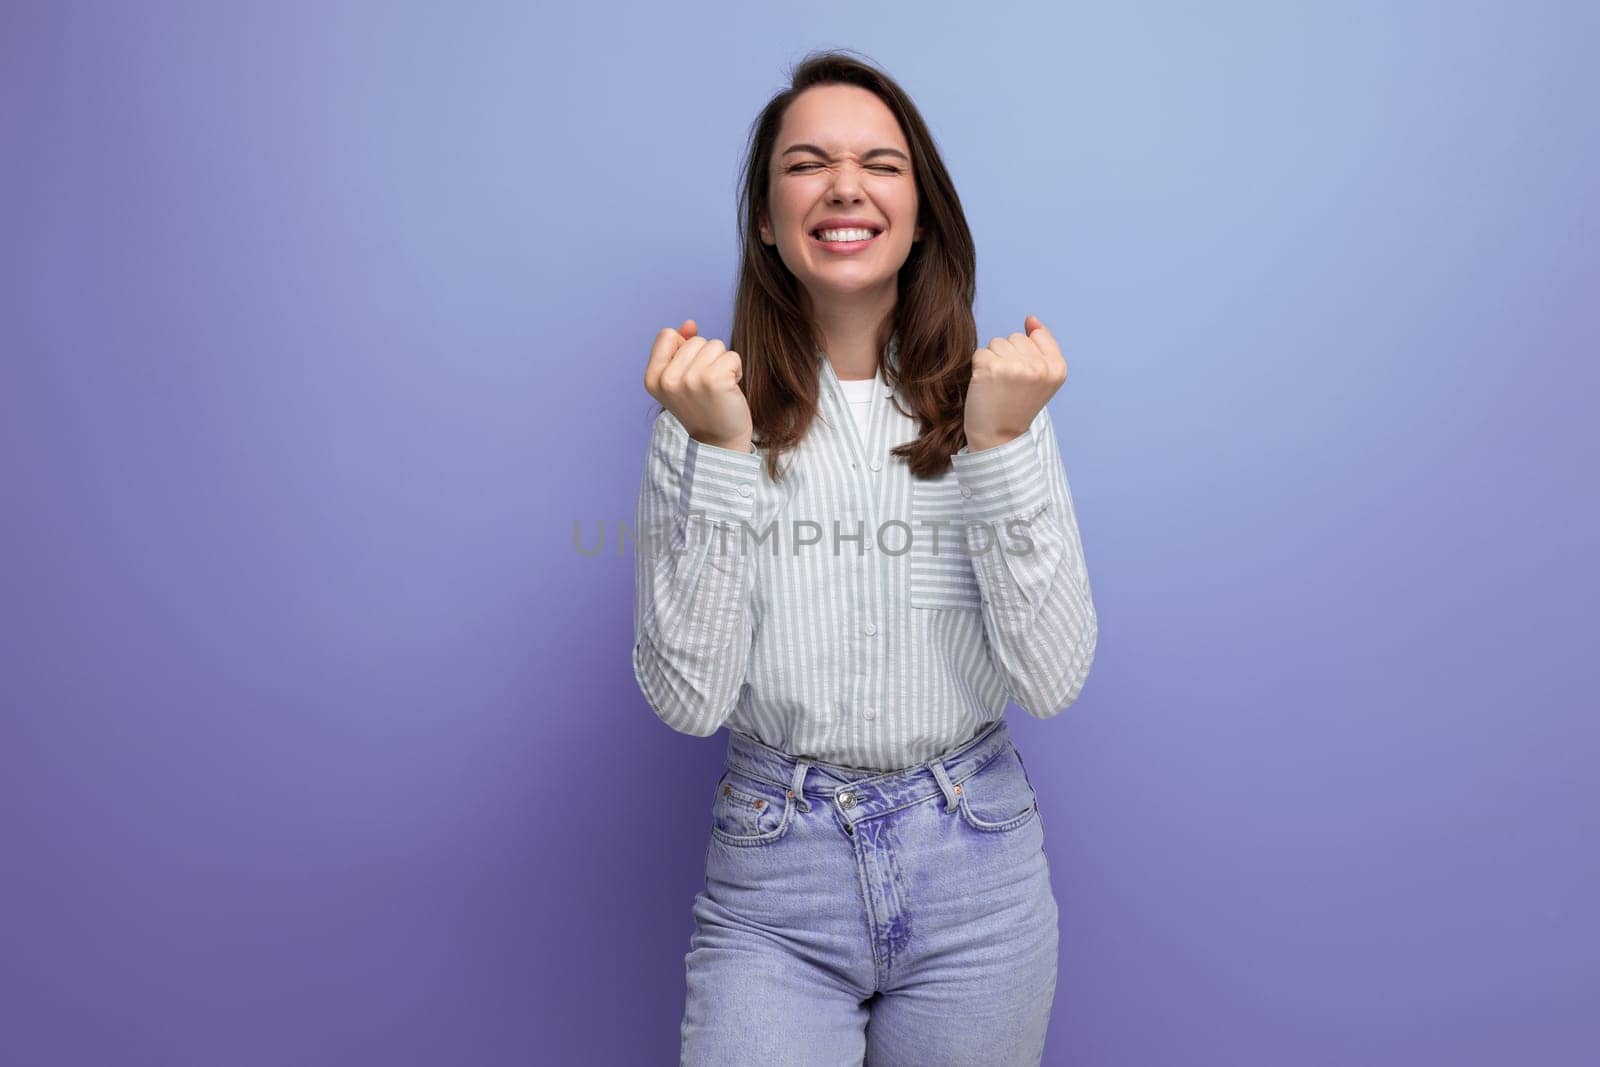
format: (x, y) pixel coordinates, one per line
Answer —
(899, 919)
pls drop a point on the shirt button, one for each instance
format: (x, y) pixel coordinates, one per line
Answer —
(966, 490)
(744, 490)
(869, 629)
(875, 465)
(870, 713)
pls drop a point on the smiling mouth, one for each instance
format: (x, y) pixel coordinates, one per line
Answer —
(852, 245)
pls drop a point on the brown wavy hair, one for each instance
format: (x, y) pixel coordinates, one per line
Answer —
(938, 335)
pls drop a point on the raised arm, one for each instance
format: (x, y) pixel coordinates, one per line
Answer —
(1038, 611)
(693, 622)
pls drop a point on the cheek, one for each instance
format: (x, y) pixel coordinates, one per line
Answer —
(787, 218)
(793, 197)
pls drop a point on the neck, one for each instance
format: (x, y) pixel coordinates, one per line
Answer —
(849, 325)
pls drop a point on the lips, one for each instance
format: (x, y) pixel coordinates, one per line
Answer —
(847, 222)
(817, 230)
(843, 246)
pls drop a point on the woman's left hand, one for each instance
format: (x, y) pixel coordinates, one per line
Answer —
(1012, 379)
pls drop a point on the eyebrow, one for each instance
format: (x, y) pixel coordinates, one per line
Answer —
(814, 150)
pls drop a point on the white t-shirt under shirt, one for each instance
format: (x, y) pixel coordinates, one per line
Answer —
(859, 393)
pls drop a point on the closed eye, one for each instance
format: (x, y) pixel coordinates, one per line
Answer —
(883, 168)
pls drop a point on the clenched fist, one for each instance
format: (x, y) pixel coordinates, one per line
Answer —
(698, 381)
(1012, 379)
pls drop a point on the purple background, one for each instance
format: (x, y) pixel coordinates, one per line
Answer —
(323, 324)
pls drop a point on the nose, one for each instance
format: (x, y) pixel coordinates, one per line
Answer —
(846, 185)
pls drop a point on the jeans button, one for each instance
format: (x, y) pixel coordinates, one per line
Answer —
(847, 800)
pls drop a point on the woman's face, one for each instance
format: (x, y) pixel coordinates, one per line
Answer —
(841, 155)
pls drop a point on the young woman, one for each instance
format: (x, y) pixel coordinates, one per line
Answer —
(857, 544)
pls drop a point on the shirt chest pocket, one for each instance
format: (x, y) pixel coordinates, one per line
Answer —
(941, 571)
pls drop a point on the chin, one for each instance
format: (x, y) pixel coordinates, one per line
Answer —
(846, 286)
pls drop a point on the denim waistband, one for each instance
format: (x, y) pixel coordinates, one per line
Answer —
(857, 793)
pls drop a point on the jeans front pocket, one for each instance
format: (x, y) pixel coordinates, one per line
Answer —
(749, 811)
(998, 796)
(941, 568)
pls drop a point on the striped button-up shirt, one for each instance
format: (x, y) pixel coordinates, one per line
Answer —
(850, 612)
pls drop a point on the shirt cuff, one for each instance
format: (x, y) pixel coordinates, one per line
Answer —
(1004, 481)
(720, 482)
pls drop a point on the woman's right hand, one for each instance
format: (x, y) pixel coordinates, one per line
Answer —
(698, 381)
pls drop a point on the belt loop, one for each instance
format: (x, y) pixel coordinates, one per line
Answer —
(797, 786)
(937, 767)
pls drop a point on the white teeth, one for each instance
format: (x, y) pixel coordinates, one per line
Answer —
(845, 235)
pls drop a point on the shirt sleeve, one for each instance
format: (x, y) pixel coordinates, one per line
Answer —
(1022, 535)
(693, 621)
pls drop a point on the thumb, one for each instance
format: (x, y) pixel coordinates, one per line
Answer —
(689, 328)
(1031, 323)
